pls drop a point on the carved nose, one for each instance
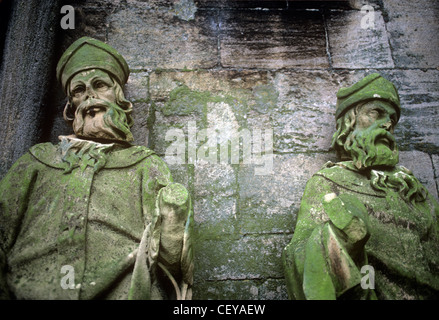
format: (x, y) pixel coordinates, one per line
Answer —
(387, 125)
(91, 93)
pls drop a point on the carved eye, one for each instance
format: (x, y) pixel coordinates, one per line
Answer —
(374, 113)
(100, 85)
(78, 91)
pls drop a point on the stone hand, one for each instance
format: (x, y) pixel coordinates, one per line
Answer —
(173, 206)
(349, 216)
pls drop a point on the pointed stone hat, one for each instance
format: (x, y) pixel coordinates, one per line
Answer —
(87, 53)
(372, 87)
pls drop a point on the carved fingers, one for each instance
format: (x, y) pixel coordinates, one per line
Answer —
(348, 215)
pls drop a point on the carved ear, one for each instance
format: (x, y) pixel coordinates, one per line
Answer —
(69, 113)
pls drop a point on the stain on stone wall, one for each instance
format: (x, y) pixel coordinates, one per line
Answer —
(263, 65)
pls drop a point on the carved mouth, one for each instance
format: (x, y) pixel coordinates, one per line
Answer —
(383, 140)
(386, 139)
(92, 106)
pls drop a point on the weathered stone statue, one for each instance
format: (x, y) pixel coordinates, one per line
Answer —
(366, 227)
(94, 216)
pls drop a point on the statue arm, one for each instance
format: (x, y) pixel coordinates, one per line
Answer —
(15, 188)
(176, 253)
(175, 220)
(322, 260)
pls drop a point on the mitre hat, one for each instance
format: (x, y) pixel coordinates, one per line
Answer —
(87, 53)
(372, 87)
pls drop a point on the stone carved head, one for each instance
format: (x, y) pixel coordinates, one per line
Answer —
(92, 75)
(366, 116)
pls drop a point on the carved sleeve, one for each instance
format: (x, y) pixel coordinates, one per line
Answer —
(15, 188)
(319, 261)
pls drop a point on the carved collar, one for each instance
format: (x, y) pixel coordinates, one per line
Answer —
(120, 157)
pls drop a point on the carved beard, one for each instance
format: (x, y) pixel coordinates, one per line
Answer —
(110, 125)
(377, 148)
(372, 148)
(401, 180)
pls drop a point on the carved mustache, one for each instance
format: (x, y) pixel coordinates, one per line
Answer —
(382, 135)
(90, 104)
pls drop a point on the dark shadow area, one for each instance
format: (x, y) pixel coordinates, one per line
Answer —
(5, 14)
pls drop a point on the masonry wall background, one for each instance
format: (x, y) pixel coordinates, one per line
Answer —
(236, 65)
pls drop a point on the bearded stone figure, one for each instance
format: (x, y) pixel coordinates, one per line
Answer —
(94, 217)
(366, 227)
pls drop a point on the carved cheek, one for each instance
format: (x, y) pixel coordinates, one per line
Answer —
(109, 95)
(364, 121)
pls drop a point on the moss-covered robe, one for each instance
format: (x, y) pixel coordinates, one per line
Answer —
(91, 221)
(403, 247)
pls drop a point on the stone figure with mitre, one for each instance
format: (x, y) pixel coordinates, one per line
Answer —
(94, 216)
(366, 227)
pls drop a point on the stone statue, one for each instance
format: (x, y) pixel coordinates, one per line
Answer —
(94, 217)
(366, 228)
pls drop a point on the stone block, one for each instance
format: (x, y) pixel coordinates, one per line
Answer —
(413, 32)
(354, 45)
(226, 290)
(273, 289)
(227, 82)
(270, 289)
(140, 128)
(243, 258)
(158, 38)
(229, 103)
(162, 137)
(137, 87)
(215, 216)
(419, 94)
(272, 39)
(214, 179)
(269, 203)
(304, 119)
(422, 167)
(183, 173)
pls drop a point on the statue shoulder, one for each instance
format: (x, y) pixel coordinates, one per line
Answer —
(47, 153)
(129, 156)
(143, 157)
(338, 171)
(345, 175)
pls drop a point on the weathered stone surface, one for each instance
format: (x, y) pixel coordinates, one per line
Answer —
(27, 68)
(304, 119)
(152, 38)
(355, 47)
(215, 216)
(273, 289)
(247, 257)
(137, 87)
(226, 102)
(214, 178)
(358, 4)
(270, 289)
(287, 39)
(413, 32)
(269, 203)
(140, 128)
(227, 290)
(419, 94)
(244, 85)
(236, 83)
(421, 166)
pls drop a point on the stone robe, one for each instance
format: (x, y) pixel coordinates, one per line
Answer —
(403, 247)
(53, 222)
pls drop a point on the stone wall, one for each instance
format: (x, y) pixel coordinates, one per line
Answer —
(259, 67)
